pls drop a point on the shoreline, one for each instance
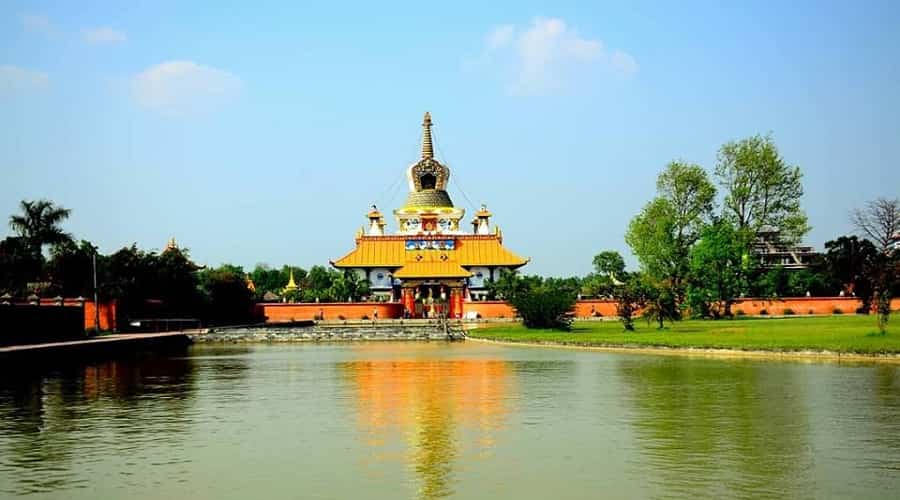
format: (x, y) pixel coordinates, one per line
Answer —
(705, 352)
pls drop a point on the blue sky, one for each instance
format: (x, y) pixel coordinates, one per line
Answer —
(263, 132)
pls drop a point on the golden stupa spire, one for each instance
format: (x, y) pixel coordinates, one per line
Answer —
(291, 284)
(427, 148)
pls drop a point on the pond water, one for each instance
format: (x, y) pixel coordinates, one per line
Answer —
(436, 420)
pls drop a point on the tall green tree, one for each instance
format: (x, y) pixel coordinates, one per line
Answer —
(718, 263)
(761, 189)
(662, 235)
(39, 224)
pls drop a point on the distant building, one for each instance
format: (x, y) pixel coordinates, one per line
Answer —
(773, 251)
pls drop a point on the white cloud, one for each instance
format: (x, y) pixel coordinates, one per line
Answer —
(103, 35)
(542, 57)
(184, 87)
(15, 79)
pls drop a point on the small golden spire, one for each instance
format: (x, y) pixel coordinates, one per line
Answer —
(427, 148)
(291, 284)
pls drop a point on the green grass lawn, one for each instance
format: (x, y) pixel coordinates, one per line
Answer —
(848, 334)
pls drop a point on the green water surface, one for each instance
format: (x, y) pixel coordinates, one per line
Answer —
(436, 420)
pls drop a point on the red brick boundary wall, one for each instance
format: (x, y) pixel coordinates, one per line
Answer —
(276, 312)
(107, 311)
(802, 305)
(488, 309)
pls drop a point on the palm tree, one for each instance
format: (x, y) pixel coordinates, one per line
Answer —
(39, 224)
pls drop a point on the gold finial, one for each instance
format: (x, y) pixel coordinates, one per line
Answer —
(427, 148)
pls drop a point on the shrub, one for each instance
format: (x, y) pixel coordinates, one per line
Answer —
(788, 311)
(837, 310)
(763, 312)
(544, 307)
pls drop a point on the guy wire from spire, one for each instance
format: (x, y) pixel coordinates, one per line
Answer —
(452, 177)
(391, 190)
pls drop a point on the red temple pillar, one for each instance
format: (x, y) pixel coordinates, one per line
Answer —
(409, 301)
(456, 303)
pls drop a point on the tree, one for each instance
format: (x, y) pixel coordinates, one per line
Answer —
(880, 221)
(39, 224)
(131, 277)
(630, 297)
(609, 263)
(229, 301)
(661, 236)
(607, 266)
(844, 268)
(507, 285)
(317, 285)
(18, 266)
(177, 283)
(717, 269)
(660, 304)
(760, 188)
(347, 285)
(542, 303)
(71, 267)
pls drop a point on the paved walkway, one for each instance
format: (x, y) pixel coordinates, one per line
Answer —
(120, 338)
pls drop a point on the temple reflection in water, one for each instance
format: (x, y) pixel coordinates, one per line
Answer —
(431, 414)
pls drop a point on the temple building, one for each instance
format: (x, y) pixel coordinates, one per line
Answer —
(431, 264)
(773, 251)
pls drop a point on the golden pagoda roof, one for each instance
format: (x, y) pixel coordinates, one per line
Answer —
(390, 251)
(431, 269)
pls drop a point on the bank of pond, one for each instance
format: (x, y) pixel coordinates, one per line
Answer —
(856, 334)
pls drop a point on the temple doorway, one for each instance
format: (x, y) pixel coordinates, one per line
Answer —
(432, 300)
